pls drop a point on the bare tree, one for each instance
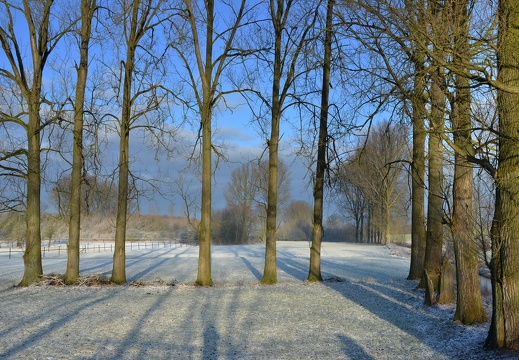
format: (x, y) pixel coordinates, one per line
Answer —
(88, 8)
(416, 9)
(196, 50)
(240, 195)
(350, 196)
(141, 95)
(32, 112)
(314, 273)
(296, 222)
(382, 160)
(288, 51)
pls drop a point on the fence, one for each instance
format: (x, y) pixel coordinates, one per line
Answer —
(59, 247)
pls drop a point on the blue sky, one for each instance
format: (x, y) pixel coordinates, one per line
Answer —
(233, 129)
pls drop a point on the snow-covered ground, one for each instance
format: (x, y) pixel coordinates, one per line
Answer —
(366, 310)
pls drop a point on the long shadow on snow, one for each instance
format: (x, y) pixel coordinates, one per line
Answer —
(132, 339)
(392, 304)
(352, 349)
(251, 267)
(67, 313)
(155, 265)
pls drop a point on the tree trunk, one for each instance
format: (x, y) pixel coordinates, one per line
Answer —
(361, 237)
(357, 231)
(72, 272)
(469, 303)
(446, 288)
(386, 230)
(434, 236)
(119, 263)
(369, 226)
(33, 268)
(504, 328)
(204, 276)
(317, 232)
(270, 269)
(418, 232)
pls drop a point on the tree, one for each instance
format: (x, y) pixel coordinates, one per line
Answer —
(88, 7)
(416, 10)
(469, 304)
(381, 160)
(97, 196)
(32, 112)
(385, 73)
(350, 196)
(297, 221)
(504, 328)
(314, 273)
(240, 196)
(205, 68)
(140, 96)
(372, 182)
(288, 47)
(434, 239)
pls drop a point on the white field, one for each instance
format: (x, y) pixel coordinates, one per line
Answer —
(366, 310)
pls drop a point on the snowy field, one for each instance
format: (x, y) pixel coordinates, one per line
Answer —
(366, 310)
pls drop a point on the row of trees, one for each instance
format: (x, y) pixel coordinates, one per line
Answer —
(371, 187)
(145, 66)
(447, 62)
(160, 64)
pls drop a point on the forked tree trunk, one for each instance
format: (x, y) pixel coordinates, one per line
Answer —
(204, 276)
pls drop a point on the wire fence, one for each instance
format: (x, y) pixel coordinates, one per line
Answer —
(59, 247)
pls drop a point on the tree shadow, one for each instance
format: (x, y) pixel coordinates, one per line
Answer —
(352, 349)
(154, 265)
(211, 340)
(251, 267)
(64, 313)
(404, 310)
(134, 333)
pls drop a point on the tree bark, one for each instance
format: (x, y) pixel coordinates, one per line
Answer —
(504, 328)
(434, 235)
(418, 232)
(317, 231)
(72, 272)
(469, 303)
(119, 258)
(33, 268)
(31, 91)
(270, 269)
(204, 277)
